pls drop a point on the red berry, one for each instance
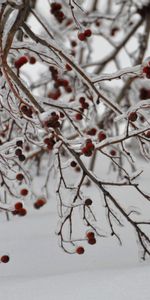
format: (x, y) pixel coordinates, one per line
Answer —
(80, 250)
(5, 259)
(22, 212)
(78, 117)
(39, 203)
(90, 235)
(21, 61)
(101, 136)
(92, 241)
(81, 36)
(19, 177)
(18, 205)
(88, 32)
(24, 192)
(132, 116)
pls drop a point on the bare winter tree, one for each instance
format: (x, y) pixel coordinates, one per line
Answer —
(74, 104)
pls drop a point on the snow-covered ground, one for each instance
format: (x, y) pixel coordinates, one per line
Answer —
(39, 270)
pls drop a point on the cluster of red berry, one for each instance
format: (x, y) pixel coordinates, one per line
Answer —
(89, 147)
(19, 209)
(82, 36)
(56, 11)
(50, 142)
(59, 82)
(23, 60)
(90, 236)
(18, 151)
(53, 121)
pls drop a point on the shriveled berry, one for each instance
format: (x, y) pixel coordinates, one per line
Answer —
(88, 202)
(22, 157)
(19, 143)
(73, 164)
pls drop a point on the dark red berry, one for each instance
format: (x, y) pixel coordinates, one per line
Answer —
(78, 117)
(88, 202)
(5, 259)
(20, 62)
(19, 144)
(101, 136)
(90, 235)
(18, 205)
(32, 60)
(22, 212)
(19, 176)
(68, 67)
(132, 116)
(24, 192)
(88, 32)
(18, 152)
(113, 152)
(80, 250)
(81, 36)
(39, 203)
(92, 241)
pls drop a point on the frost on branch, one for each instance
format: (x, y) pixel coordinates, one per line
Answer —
(69, 117)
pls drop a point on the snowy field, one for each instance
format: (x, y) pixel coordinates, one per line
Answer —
(39, 270)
